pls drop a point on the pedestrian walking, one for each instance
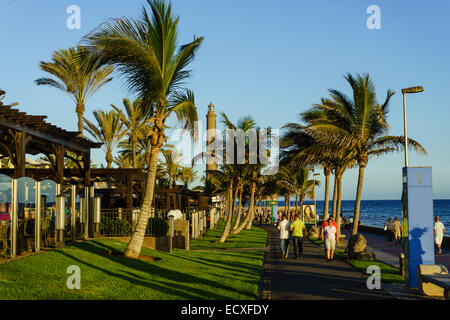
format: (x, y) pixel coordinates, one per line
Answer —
(439, 231)
(283, 227)
(397, 230)
(329, 235)
(298, 232)
(389, 228)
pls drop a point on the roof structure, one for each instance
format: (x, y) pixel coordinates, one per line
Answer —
(21, 134)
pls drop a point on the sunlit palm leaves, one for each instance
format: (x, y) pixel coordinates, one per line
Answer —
(108, 129)
(79, 73)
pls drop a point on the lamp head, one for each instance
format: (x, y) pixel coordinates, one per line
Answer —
(412, 90)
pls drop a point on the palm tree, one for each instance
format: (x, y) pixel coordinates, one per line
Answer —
(171, 163)
(236, 170)
(358, 124)
(133, 121)
(107, 129)
(145, 52)
(187, 175)
(77, 72)
(299, 147)
(123, 160)
(297, 180)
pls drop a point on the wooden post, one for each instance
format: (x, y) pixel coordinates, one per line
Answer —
(19, 151)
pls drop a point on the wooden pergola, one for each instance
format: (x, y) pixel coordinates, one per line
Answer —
(22, 134)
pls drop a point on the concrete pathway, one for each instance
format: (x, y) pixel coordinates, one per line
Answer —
(312, 277)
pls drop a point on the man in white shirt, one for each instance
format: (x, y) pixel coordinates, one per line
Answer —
(283, 227)
(439, 231)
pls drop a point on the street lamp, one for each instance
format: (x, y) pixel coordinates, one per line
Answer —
(406, 91)
(314, 191)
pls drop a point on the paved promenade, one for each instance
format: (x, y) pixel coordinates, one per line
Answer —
(312, 277)
(390, 254)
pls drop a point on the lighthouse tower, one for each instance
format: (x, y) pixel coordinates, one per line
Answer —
(211, 135)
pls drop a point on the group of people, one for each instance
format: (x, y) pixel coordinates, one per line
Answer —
(393, 230)
(298, 230)
(329, 234)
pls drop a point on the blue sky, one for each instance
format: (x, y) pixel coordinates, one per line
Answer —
(269, 59)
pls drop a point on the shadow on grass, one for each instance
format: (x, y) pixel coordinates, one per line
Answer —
(169, 287)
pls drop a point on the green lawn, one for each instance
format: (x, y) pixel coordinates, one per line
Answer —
(389, 274)
(182, 275)
(254, 238)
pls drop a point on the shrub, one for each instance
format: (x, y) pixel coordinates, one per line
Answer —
(157, 227)
(115, 227)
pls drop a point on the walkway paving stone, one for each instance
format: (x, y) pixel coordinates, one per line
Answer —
(312, 277)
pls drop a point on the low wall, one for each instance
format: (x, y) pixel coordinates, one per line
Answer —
(380, 231)
(181, 234)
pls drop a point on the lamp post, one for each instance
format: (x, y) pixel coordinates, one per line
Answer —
(406, 91)
(314, 191)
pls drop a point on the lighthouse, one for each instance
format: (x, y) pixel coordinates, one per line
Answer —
(210, 136)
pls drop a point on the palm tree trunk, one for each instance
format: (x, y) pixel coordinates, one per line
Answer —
(326, 204)
(358, 199)
(134, 246)
(334, 196)
(252, 207)
(288, 203)
(301, 207)
(133, 146)
(235, 199)
(249, 214)
(296, 203)
(339, 202)
(238, 219)
(80, 112)
(109, 159)
(226, 229)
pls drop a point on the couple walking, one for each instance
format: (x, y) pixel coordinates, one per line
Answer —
(297, 227)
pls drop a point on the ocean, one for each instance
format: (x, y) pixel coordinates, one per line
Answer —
(376, 212)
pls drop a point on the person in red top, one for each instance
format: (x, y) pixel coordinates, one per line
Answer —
(325, 223)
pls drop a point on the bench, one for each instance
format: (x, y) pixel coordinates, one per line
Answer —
(433, 280)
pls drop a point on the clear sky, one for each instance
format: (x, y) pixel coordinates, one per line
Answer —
(270, 59)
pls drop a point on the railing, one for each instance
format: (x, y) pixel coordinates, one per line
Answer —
(121, 223)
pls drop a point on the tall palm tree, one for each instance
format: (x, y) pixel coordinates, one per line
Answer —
(145, 52)
(108, 129)
(134, 119)
(358, 124)
(244, 125)
(79, 73)
(301, 148)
